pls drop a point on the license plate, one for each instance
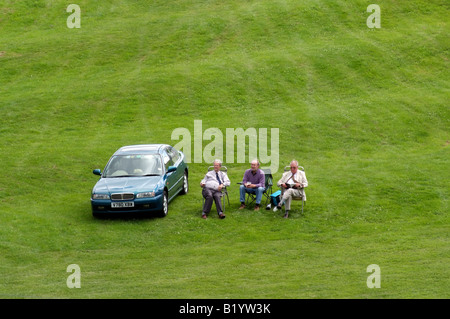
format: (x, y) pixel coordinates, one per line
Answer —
(122, 204)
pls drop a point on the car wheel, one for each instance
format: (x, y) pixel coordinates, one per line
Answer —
(185, 184)
(165, 204)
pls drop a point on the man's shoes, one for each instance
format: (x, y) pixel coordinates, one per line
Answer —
(286, 215)
(204, 216)
(242, 206)
(221, 216)
(256, 207)
(276, 208)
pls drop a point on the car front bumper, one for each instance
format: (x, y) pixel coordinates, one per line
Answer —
(151, 204)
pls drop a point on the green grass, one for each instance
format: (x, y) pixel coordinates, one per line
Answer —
(365, 111)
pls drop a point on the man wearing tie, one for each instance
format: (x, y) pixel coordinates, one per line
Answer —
(212, 185)
(292, 184)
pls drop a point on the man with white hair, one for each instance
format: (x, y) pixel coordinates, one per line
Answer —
(292, 184)
(212, 185)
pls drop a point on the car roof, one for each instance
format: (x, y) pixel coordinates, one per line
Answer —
(140, 149)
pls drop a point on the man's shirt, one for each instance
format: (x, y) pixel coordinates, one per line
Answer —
(298, 177)
(258, 178)
(210, 179)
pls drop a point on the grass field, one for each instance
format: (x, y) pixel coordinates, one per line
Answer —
(365, 111)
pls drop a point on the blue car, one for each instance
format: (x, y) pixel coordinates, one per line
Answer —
(140, 178)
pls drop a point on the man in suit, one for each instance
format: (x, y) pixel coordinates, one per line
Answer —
(292, 184)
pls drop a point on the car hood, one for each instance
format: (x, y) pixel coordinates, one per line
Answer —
(127, 184)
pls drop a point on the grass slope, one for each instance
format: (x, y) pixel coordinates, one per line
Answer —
(364, 110)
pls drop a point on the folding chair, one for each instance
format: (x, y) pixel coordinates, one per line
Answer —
(302, 198)
(268, 183)
(224, 189)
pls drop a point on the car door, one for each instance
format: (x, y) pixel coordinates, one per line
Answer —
(173, 178)
(176, 159)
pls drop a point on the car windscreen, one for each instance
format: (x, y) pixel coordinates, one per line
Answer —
(133, 166)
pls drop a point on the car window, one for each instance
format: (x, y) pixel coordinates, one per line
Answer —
(133, 165)
(173, 153)
(167, 160)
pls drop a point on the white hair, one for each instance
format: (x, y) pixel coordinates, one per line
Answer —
(218, 161)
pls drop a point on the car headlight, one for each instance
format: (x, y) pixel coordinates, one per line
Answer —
(145, 194)
(100, 196)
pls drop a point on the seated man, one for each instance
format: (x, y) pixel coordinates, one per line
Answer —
(212, 185)
(292, 185)
(253, 182)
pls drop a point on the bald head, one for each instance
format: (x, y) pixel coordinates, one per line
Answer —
(294, 166)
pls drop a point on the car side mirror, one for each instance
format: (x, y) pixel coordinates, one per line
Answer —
(97, 172)
(171, 169)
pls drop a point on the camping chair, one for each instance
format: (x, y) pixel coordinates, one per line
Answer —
(268, 180)
(302, 198)
(224, 189)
